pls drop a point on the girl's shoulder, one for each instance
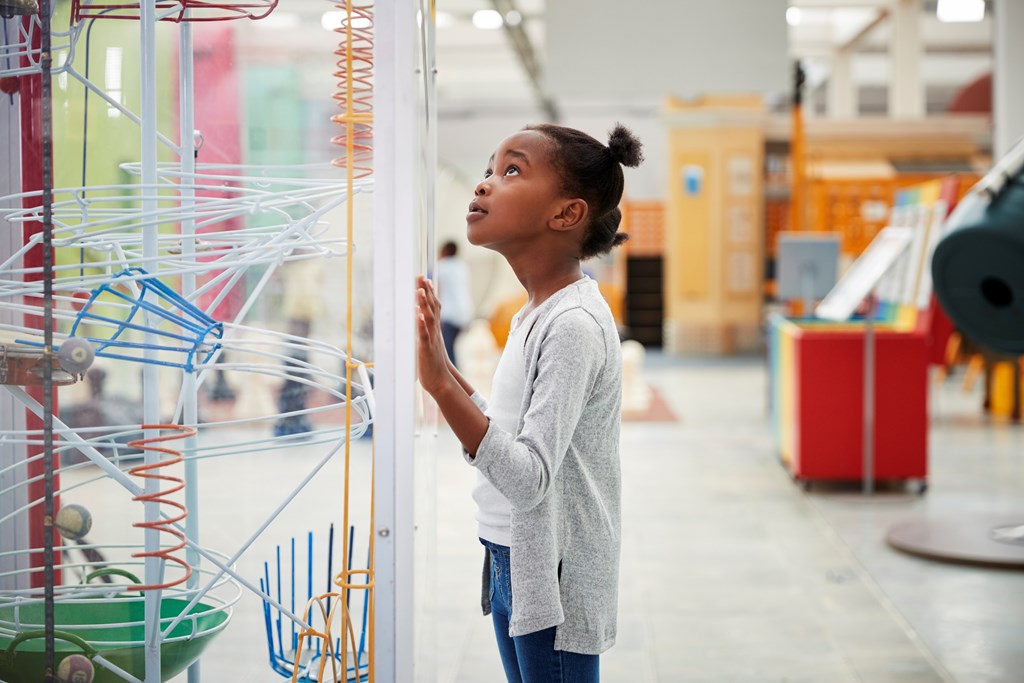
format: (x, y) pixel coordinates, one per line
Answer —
(584, 297)
(580, 317)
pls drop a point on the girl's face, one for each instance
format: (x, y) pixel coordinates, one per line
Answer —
(518, 196)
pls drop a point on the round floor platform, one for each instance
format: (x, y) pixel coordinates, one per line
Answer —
(990, 541)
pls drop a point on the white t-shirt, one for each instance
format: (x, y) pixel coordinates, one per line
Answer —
(494, 512)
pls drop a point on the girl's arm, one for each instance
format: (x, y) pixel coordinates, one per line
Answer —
(573, 356)
(438, 376)
(462, 414)
(466, 386)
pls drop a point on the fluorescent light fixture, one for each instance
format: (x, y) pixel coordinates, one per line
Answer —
(112, 79)
(112, 70)
(513, 18)
(487, 19)
(332, 21)
(794, 16)
(960, 10)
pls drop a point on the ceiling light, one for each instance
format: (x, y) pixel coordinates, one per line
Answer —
(442, 19)
(487, 19)
(793, 16)
(960, 10)
(333, 20)
(513, 18)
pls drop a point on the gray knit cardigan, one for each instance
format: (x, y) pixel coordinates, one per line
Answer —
(561, 474)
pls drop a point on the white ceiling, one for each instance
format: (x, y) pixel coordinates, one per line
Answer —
(479, 68)
(480, 73)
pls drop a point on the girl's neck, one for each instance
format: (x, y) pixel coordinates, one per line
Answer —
(542, 279)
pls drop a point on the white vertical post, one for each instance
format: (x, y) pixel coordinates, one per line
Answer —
(14, 531)
(150, 374)
(396, 240)
(1007, 95)
(189, 388)
(906, 89)
(426, 599)
(842, 94)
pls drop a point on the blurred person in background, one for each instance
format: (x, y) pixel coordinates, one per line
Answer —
(453, 291)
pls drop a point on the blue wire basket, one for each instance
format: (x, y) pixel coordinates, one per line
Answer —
(284, 584)
(180, 348)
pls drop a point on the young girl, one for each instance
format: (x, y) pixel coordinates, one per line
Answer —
(546, 448)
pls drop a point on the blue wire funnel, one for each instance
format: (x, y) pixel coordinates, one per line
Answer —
(185, 332)
(304, 658)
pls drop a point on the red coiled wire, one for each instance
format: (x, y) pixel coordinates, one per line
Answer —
(355, 87)
(150, 471)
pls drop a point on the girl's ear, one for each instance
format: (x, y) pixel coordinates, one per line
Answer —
(573, 214)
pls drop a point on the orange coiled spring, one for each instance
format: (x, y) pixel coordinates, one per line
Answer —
(161, 497)
(355, 87)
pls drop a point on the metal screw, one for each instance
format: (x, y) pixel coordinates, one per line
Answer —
(384, 532)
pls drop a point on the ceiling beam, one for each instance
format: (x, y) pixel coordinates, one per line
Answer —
(527, 57)
(882, 15)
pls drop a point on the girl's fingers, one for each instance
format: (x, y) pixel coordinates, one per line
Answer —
(429, 312)
(429, 294)
(428, 305)
(423, 302)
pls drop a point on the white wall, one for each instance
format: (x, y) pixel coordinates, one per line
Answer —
(621, 52)
(1008, 96)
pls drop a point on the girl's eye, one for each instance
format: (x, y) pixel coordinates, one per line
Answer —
(488, 173)
(512, 170)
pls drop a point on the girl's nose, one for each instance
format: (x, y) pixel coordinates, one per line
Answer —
(481, 188)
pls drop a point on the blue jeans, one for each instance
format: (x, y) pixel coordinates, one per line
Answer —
(531, 658)
(449, 333)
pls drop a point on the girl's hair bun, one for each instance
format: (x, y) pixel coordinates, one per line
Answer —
(624, 147)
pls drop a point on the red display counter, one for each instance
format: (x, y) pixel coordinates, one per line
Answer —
(818, 397)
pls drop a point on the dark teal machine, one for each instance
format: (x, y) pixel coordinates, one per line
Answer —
(978, 267)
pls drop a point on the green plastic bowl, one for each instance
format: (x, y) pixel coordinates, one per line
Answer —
(22, 659)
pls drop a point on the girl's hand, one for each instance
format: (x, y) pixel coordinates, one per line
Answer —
(432, 359)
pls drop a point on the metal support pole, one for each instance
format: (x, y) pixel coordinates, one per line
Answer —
(796, 154)
(396, 238)
(150, 374)
(189, 386)
(49, 507)
(869, 397)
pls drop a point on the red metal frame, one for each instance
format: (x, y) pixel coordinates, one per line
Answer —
(200, 10)
(30, 94)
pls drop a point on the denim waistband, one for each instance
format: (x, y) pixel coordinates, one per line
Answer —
(495, 546)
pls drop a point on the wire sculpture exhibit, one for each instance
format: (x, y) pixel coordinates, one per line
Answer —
(136, 274)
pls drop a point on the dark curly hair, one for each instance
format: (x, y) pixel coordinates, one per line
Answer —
(593, 172)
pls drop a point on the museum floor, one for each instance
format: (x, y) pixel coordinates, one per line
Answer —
(730, 572)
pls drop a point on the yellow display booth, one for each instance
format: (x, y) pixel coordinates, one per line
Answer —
(714, 206)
